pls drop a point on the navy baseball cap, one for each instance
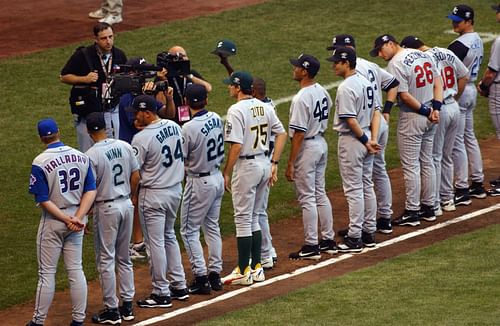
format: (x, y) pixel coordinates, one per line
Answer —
(411, 42)
(496, 7)
(47, 127)
(342, 40)
(307, 62)
(379, 42)
(95, 121)
(343, 53)
(225, 47)
(240, 78)
(143, 103)
(196, 93)
(461, 12)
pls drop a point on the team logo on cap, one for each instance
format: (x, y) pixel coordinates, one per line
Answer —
(347, 40)
(236, 80)
(142, 105)
(141, 61)
(455, 10)
(343, 55)
(467, 14)
(305, 64)
(385, 38)
(219, 45)
(32, 179)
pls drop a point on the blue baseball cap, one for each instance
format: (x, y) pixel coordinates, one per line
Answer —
(461, 12)
(196, 93)
(47, 127)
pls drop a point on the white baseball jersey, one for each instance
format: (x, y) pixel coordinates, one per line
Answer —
(250, 122)
(378, 77)
(451, 69)
(494, 63)
(415, 72)
(158, 148)
(309, 111)
(472, 60)
(113, 161)
(203, 145)
(355, 99)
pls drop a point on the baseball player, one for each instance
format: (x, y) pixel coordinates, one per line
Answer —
(248, 128)
(454, 78)
(468, 47)
(117, 176)
(309, 113)
(380, 80)
(64, 187)
(357, 120)
(420, 95)
(489, 86)
(158, 148)
(203, 150)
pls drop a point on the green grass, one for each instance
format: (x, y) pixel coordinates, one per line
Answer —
(267, 35)
(450, 283)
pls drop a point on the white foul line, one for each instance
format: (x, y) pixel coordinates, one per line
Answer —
(322, 264)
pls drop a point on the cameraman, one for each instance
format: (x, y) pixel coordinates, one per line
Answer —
(180, 81)
(88, 70)
(164, 98)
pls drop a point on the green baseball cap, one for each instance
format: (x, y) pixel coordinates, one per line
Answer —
(240, 78)
(225, 48)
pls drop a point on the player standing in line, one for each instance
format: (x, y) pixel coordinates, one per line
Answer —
(309, 113)
(64, 187)
(357, 120)
(248, 128)
(380, 80)
(454, 77)
(489, 86)
(158, 148)
(203, 150)
(468, 47)
(420, 85)
(117, 177)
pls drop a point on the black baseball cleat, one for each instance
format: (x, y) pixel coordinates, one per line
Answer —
(127, 311)
(179, 294)
(384, 225)
(353, 245)
(31, 323)
(427, 213)
(76, 323)
(409, 218)
(200, 285)
(495, 183)
(493, 192)
(109, 316)
(306, 252)
(462, 197)
(477, 190)
(155, 301)
(215, 281)
(328, 247)
(368, 239)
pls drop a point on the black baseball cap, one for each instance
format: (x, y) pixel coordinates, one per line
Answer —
(496, 7)
(143, 103)
(47, 127)
(343, 53)
(461, 12)
(196, 93)
(136, 61)
(411, 42)
(308, 62)
(95, 121)
(342, 40)
(379, 42)
(240, 78)
(225, 48)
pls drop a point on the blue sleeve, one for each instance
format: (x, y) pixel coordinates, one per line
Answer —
(159, 105)
(38, 184)
(89, 181)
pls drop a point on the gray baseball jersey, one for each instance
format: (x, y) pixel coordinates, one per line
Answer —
(61, 175)
(494, 97)
(203, 153)
(309, 112)
(356, 99)
(113, 162)
(379, 78)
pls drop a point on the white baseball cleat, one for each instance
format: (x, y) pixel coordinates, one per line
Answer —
(258, 273)
(97, 14)
(111, 19)
(237, 278)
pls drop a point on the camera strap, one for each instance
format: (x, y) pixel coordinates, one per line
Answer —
(177, 88)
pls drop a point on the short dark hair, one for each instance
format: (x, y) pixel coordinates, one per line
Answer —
(259, 86)
(99, 27)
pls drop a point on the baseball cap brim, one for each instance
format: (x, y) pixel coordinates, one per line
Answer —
(455, 18)
(222, 52)
(374, 52)
(295, 63)
(331, 48)
(227, 81)
(130, 109)
(495, 7)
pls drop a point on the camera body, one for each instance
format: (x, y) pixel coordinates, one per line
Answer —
(131, 79)
(174, 63)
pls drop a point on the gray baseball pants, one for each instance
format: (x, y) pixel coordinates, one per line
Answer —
(494, 106)
(381, 181)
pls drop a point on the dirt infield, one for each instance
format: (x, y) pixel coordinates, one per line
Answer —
(58, 22)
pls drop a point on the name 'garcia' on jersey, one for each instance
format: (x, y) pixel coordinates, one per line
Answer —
(210, 125)
(60, 160)
(167, 132)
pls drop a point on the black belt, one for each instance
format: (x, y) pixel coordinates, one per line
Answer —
(112, 200)
(313, 137)
(69, 206)
(496, 82)
(203, 174)
(251, 157)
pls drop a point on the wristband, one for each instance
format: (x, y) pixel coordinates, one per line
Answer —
(275, 162)
(388, 107)
(483, 87)
(436, 105)
(363, 139)
(424, 110)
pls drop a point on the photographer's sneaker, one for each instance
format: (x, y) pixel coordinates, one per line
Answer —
(353, 245)
(306, 252)
(155, 301)
(409, 218)
(97, 14)
(477, 190)
(107, 316)
(384, 225)
(448, 206)
(111, 19)
(427, 213)
(236, 278)
(462, 197)
(328, 247)
(258, 273)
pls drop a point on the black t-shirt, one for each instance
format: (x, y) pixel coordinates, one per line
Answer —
(77, 65)
(179, 84)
